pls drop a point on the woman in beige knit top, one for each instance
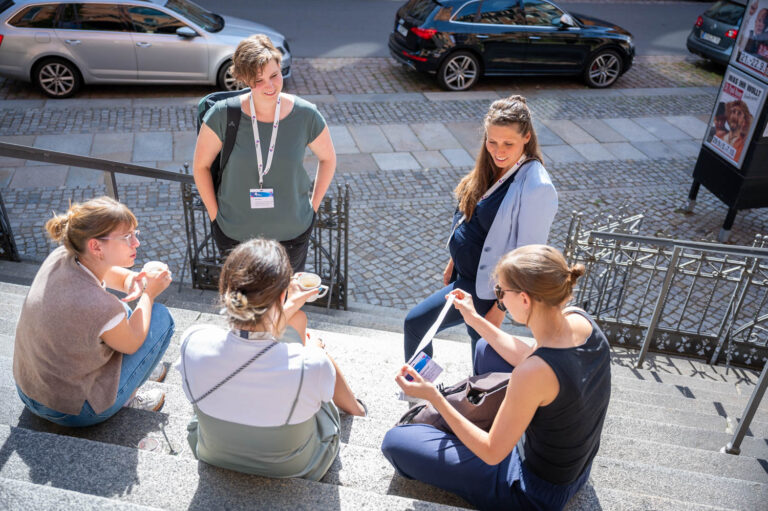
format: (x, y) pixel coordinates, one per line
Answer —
(80, 352)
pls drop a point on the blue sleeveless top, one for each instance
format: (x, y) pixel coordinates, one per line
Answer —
(564, 436)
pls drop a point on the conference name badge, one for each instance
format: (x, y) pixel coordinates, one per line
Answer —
(262, 198)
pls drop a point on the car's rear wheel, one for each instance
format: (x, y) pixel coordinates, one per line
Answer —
(459, 71)
(225, 80)
(604, 69)
(57, 78)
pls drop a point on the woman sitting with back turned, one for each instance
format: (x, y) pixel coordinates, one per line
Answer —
(264, 403)
(80, 353)
(539, 450)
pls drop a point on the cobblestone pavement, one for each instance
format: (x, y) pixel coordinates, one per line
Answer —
(399, 220)
(378, 75)
(401, 152)
(41, 118)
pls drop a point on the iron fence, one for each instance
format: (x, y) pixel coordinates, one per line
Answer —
(701, 300)
(7, 243)
(328, 245)
(328, 256)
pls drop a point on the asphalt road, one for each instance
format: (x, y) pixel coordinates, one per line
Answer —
(360, 28)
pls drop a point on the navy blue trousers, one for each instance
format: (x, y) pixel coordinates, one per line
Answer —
(423, 452)
(421, 317)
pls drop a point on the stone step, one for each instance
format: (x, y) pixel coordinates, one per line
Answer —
(23, 496)
(367, 469)
(693, 448)
(711, 421)
(688, 374)
(145, 478)
(596, 498)
(348, 350)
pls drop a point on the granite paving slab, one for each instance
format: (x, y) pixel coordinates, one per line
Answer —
(600, 130)
(694, 127)
(630, 130)
(570, 132)
(402, 137)
(593, 151)
(435, 136)
(343, 142)
(370, 139)
(662, 129)
(156, 146)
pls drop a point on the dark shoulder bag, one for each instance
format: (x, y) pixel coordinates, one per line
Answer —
(477, 398)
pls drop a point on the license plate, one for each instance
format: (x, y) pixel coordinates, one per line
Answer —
(403, 31)
(711, 38)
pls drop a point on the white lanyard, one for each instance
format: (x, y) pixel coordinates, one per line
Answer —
(264, 170)
(492, 189)
(433, 329)
(503, 178)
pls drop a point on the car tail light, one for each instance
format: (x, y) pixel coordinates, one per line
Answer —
(414, 57)
(1, 39)
(424, 33)
(699, 21)
(732, 33)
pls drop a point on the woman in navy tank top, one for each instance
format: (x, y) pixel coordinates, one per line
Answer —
(539, 450)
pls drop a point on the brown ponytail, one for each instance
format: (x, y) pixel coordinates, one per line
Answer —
(540, 271)
(92, 219)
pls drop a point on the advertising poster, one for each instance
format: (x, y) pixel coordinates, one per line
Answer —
(751, 50)
(737, 108)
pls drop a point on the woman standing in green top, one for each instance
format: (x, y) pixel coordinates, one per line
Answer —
(264, 193)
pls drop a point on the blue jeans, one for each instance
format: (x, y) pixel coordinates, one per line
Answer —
(423, 452)
(134, 371)
(421, 317)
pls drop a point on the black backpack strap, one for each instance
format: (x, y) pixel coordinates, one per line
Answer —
(230, 133)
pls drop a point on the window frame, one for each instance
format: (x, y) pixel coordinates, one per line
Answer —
(25, 8)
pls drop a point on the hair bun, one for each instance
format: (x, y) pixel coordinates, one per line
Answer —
(576, 271)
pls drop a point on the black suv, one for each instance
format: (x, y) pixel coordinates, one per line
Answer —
(460, 40)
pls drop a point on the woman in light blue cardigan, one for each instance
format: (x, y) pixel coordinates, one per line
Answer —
(505, 202)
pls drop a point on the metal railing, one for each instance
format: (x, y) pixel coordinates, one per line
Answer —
(701, 300)
(7, 243)
(328, 256)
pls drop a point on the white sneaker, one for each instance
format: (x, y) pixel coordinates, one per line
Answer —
(148, 399)
(159, 372)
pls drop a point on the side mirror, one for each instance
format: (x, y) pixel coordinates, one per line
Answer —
(566, 20)
(185, 32)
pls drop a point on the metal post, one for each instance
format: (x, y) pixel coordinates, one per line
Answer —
(734, 446)
(111, 185)
(659, 306)
(692, 194)
(725, 232)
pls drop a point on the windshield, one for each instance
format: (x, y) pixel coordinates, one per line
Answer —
(209, 21)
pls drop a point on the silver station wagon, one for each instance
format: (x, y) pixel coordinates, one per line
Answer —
(61, 45)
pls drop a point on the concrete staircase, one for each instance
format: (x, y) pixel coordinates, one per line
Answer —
(659, 450)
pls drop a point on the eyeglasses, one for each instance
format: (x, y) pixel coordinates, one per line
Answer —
(500, 292)
(125, 238)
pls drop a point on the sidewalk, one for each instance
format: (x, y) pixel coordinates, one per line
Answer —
(402, 154)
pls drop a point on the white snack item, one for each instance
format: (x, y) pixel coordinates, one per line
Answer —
(154, 267)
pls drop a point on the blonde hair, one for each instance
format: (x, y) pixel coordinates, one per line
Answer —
(252, 280)
(251, 55)
(541, 272)
(511, 111)
(95, 218)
